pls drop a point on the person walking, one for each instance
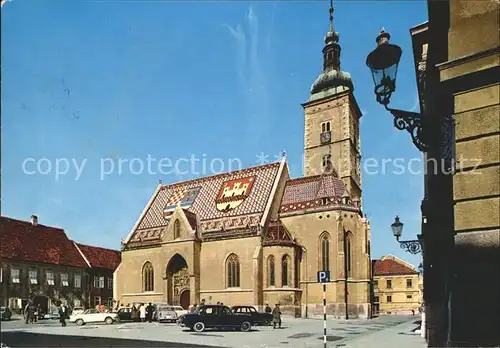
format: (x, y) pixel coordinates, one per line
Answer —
(142, 312)
(277, 316)
(149, 312)
(268, 309)
(134, 314)
(63, 314)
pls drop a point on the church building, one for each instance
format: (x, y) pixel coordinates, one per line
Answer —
(258, 236)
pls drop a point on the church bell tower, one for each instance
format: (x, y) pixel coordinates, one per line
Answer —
(331, 114)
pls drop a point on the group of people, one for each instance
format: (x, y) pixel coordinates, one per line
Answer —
(31, 313)
(276, 313)
(142, 313)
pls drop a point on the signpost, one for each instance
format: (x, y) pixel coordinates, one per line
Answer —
(324, 277)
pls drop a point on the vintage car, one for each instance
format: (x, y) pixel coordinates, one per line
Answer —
(215, 316)
(93, 316)
(166, 313)
(5, 313)
(124, 313)
(257, 317)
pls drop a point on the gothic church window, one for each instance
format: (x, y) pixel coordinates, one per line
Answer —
(285, 270)
(325, 251)
(325, 127)
(177, 229)
(233, 271)
(348, 254)
(271, 271)
(147, 277)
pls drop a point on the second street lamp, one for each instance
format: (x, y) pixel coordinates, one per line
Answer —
(412, 246)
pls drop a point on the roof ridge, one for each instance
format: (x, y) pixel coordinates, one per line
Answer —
(219, 174)
(93, 246)
(29, 223)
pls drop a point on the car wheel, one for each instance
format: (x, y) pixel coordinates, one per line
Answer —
(108, 320)
(245, 326)
(79, 322)
(199, 327)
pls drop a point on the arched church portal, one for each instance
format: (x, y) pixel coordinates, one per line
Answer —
(178, 281)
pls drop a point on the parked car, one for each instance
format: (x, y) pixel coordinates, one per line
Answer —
(93, 316)
(77, 310)
(215, 316)
(166, 313)
(125, 313)
(54, 314)
(5, 313)
(259, 318)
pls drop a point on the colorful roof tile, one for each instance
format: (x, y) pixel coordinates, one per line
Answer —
(391, 265)
(23, 241)
(100, 257)
(306, 192)
(228, 200)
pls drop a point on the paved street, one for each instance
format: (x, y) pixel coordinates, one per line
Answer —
(387, 331)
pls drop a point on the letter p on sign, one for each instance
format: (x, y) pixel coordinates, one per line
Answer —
(323, 276)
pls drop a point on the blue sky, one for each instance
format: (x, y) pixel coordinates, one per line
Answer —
(89, 80)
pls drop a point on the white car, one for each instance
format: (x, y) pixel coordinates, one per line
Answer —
(93, 316)
(179, 310)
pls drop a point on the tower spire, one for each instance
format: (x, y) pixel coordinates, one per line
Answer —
(331, 51)
(331, 15)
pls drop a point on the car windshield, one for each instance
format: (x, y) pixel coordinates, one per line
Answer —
(165, 308)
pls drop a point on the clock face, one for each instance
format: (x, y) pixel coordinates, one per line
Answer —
(325, 137)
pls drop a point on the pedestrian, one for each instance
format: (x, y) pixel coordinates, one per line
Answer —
(193, 308)
(277, 316)
(134, 314)
(412, 312)
(28, 313)
(63, 314)
(268, 309)
(142, 312)
(149, 312)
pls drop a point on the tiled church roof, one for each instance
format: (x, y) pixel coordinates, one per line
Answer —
(246, 192)
(390, 265)
(303, 193)
(100, 257)
(22, 241)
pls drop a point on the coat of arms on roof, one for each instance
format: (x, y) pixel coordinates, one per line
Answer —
(189, 197)
(233, 193)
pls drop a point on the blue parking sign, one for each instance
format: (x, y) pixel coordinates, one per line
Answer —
(323, 276)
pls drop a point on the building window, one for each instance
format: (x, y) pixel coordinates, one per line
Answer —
(33, 276)
(271, 271)
(388, 284)
(98, 282)
(110, 283)
(325, 252)
(348, 255)
(285, 270)
(326, 161)
(233, 271)
(376, 299)
(409, 298)
(177, 229)
(375, 283)
(14, 276)
(389, 299)
(78, 281)
(97, 300)
(64, 279)
(325, 127)
(50, 278)
(148, 277)
(409, 283)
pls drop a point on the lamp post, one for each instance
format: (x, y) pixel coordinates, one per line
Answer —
(383, 62)
(412, 246)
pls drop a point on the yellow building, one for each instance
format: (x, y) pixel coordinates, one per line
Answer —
(396, 286)
(256, 236)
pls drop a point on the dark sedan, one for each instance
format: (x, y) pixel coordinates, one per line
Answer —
(257, 317)
(216, 316)
(125, 313)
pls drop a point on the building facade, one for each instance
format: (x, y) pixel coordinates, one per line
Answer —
(457, 64)
(42, 264)
(395, 286)
(256, 236)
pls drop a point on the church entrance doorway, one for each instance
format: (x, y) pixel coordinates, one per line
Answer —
(177, 280)
(184, 300)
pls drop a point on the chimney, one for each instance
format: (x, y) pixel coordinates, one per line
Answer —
(34, 220)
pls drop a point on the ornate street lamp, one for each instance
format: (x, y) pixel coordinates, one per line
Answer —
(383, 62)
(412, 246)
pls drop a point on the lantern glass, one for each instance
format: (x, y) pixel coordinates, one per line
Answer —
(397, 227)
